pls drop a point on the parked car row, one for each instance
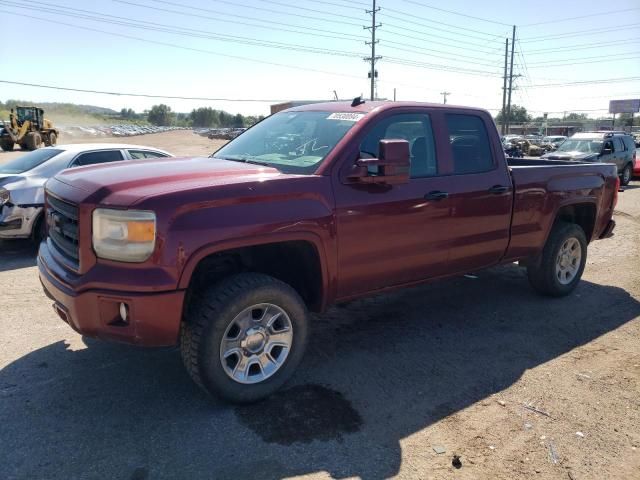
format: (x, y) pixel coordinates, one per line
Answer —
(602, 147)
(22, 180)
(219, 133)
(121, 130)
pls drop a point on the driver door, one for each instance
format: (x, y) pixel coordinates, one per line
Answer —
(393, 234)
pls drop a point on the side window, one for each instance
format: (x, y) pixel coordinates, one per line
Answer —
(617, 143)
(608, 144)
(470, 146)
(140, 154)
(416, 129)
(91, 158)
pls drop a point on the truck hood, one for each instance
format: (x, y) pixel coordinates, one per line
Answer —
(576, 156)
(125, 183)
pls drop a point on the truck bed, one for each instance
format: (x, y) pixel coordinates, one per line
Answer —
(543, 187)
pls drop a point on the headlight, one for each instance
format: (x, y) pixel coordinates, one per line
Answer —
(124, 235)
(4, 196)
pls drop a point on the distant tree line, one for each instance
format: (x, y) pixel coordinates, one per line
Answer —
(519, 115)
(199, 117)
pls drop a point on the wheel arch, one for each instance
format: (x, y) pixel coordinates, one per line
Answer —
(214, 262)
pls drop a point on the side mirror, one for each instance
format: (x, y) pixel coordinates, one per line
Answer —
(393, 164)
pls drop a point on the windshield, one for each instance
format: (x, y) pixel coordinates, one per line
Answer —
(582, 146)
(29, 161)
(292, 142)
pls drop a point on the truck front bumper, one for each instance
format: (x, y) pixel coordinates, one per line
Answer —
(153, 319)
(17, 221)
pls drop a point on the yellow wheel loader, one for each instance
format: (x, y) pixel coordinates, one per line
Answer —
(28, 128)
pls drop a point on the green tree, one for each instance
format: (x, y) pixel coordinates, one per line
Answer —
(576, 117)
(238, 121)
(518, 115)
(161, 115)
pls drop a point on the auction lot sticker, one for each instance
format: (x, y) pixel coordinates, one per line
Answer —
(351, 117)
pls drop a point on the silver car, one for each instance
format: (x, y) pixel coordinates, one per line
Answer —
(22, 180)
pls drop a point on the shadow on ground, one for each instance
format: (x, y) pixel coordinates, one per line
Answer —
(16, 254)
(376, 371)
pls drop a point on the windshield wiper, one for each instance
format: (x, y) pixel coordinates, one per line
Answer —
(245, 159)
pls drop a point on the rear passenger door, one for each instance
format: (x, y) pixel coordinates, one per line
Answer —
(96, 157)
(480, 195)
(621, 153)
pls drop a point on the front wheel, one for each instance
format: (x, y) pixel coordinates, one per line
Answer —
(564, 257)
(627, 173)
(244, 337)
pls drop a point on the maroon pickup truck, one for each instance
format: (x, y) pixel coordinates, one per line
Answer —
(317, 204)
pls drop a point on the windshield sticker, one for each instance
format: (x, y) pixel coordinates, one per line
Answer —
(351, 117)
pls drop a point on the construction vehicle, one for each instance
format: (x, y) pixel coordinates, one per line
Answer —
(29, 129)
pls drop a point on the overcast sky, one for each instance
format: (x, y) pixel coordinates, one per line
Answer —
(217, 49)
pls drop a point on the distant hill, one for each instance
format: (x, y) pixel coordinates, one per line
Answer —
(64, 113)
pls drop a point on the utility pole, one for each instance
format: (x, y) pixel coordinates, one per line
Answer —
(513, 42)
(444, 94)
(373, 58)
(394, 99)
(504, 85)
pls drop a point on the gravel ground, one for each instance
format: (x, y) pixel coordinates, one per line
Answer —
(386, 382)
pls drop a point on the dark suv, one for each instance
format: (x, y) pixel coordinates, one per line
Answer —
(605, 147)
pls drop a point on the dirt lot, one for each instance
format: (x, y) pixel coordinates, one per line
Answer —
(178, 142)
(385, 380)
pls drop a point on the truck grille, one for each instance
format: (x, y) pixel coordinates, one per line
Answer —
(62, 223)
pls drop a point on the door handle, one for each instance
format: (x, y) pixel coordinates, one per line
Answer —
(498, 189)
(436, 195)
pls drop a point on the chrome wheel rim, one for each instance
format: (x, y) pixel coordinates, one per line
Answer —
(626, 175)
(256, 343)
(568, 260)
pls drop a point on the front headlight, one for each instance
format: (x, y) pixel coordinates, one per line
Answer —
(4, 196)
(124, 235)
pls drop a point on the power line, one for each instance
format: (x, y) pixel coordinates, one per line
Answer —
(604, 60)
(582, 46)
(322, 31)
(456, 13)
(558, 20)
(580, 33)
(280, 12)
(105, 18)
(423, 39)
(421, 24)
(405, 29)
(586, 82)
(182, 47)
(428, 20)
(128, 94)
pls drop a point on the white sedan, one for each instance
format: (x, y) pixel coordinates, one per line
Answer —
(22, 180)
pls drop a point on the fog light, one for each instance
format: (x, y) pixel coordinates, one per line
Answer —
(124, 312)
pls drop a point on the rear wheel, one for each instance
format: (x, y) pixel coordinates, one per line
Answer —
(627, 173)
(563, 259)
(6, 144)
(244, 337)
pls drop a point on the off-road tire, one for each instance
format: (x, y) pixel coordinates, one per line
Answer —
(51, 139)
(207, 317)
(32, 141)
(542, 274)
(6, 144)
(627, 174)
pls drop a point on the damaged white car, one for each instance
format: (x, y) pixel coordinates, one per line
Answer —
(22, 180)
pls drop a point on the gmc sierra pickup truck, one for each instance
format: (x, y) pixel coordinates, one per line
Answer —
(224, 256)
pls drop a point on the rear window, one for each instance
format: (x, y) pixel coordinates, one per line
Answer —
(140, 154)
(470, 145)
(29, 161)
(92, 158)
